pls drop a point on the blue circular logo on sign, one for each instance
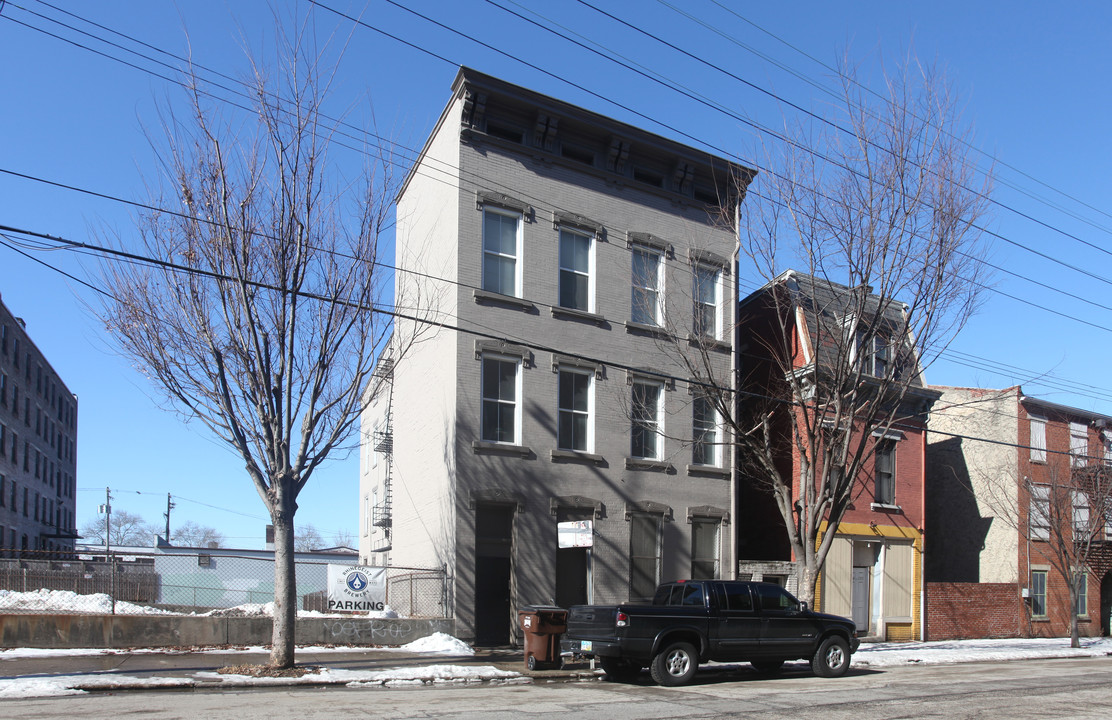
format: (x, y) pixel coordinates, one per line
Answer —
(357, 582)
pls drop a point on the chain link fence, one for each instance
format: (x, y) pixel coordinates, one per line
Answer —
(178, 581)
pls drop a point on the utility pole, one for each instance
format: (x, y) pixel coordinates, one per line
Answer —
(169, 507)
(106, 508)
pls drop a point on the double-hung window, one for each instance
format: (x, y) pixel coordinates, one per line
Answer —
(1038, 437)
(705, 294)
(1038, 520)
(644, 555)
(1079, 444)
(705, 548)
(704, 431)
(1081, 608)
(501, 400)
(502, 251)
(874, 352)
(647, 301)
(575, 400)
(885, 471)
(576, 271)
(1080, 515)
(648, 397)
(1038, 593)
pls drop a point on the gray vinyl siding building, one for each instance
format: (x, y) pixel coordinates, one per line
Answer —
(38, 448)
(566, 254)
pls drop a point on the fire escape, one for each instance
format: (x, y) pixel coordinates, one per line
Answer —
(384, 443)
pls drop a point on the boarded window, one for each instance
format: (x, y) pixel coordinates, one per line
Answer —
(899, 567)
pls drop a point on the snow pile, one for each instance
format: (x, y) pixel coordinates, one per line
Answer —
(392, 677)
(438, 644)
(953, 651)
(66, 601)
(267, 610)
(69, 684)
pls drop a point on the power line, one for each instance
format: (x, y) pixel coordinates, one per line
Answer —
(180, 214)
(1028, 279)
(870, 91)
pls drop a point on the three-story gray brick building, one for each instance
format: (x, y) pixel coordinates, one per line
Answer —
(570, 259)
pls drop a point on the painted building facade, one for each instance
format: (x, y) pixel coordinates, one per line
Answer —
(873, 572)
(564, 253)
(1009, 475)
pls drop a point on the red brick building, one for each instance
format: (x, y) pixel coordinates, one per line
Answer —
(855, 346)
(1011, 479)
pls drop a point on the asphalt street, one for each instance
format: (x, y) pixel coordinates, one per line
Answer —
(1074, 688)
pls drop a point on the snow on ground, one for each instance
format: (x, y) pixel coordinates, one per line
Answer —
(956, 651)
(870, 655)
(66, 602)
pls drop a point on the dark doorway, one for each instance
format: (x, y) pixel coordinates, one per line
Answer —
(493, 573)
(1106, 604)
(571, 577)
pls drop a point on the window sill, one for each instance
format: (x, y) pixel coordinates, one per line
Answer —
(642, 329)
(574, 456)
(491, 448)
(646, 464)
(886, 508)
(573, 314)
(1040, 619)
(487, 297)
(708, 471)
(708, 342)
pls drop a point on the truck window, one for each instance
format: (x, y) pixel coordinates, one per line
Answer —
(775, 598)
(663, 595)
(693, 595)
(738, 597)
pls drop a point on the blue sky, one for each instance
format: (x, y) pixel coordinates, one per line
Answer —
(1033, 81)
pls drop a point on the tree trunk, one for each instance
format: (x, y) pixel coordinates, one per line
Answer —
(808, 581)
(285, 590)
(1075, 640)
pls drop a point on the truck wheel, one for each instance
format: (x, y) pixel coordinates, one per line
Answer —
(767, 667)
(832, 657)
(675, 664)
(619, 670)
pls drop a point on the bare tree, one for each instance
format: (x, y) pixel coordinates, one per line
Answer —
(1065, 515)
(879, 213)
(193, 534)
(343, 538)
(127, 529)
(307, 538)
(267, 308)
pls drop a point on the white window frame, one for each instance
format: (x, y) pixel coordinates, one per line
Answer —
(1082, 607)
(716, 548)
(590, 274)
(1079, 444)
(699, 328)
(1035, 593)
(516, 402)
(637, 291)
(699, 432)
(1081, 516)
(1038, 515)
(885, 446)
(589, 447)
(518, 258)
(1037, 439)
(653, 425)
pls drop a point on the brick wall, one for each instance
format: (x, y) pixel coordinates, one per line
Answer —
(973, 610)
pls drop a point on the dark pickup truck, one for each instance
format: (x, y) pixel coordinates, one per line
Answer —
(695, 621)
